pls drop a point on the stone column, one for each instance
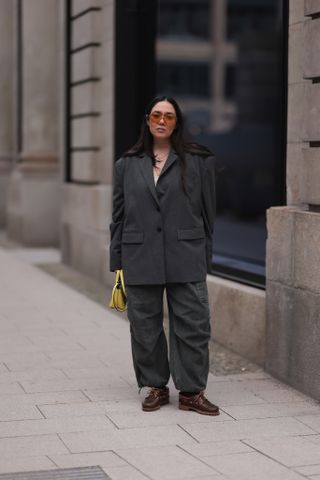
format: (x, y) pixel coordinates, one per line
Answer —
(6, 101)
(33, 196)
(293, 247)
(87, 196)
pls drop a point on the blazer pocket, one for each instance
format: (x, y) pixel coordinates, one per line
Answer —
(191, 233)
(132, 237)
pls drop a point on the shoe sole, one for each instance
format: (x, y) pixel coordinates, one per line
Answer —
(153, 409)
(192, 409)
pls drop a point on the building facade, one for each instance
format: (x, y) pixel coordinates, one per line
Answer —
(75, 80)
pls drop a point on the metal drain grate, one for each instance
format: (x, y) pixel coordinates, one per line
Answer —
(87, 473)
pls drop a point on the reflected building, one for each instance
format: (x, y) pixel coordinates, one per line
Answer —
(221, 59)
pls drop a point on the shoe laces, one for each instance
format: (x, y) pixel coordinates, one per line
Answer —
(155, 392)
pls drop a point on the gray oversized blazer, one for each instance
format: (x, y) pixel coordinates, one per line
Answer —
(158, 233)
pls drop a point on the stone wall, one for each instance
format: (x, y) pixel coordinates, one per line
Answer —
(238, 317)
(86, 199)
(293, 246)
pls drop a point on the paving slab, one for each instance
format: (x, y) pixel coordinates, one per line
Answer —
(215, 476)
(48, 363)
(3, 368)
(243, 429)
(25, 464)
(169, 415)
(13, 411)
(73, 409)
(71, 384)
(166, 462)
(54, 425)
(312, 421)
(272, 410)
(88, 372)
(314, 439)
(295, 451)
(25, 359)
(107, 459)
(31, 446)
(50, 398)
(308, 470)
(117, 393)
(32, 375)
(124, 473)
(282, 395)
(130, 437)
(236, 397)
(202, 450)
(251, 466)
(8, 388)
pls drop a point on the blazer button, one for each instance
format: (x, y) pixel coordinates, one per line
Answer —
(158, 209)
(159, 229)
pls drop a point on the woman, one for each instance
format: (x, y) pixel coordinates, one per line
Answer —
(161, 236)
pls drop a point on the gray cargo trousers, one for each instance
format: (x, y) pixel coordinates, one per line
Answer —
(189, 335)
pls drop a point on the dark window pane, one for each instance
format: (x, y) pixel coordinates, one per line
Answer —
(230, 81)
(177, 78)
(231, 88)
(186, 19)
(249, 15)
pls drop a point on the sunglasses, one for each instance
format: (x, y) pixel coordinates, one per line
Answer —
(168, 117)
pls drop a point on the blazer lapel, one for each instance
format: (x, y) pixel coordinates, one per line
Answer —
(170, 160)
(146, 169)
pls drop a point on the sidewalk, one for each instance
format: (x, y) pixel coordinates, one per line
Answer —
(68, 398)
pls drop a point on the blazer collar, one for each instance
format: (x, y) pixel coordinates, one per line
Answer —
(145, 165)
(170, 160)
(146, 169)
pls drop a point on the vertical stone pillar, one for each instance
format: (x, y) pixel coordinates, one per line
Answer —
(293, 246)
(6, 101)
(87, 197)
(33, 194)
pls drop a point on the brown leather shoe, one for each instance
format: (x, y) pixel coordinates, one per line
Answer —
(155, 399)
(198, 403)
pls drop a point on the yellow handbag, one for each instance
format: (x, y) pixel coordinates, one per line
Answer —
(119, 296)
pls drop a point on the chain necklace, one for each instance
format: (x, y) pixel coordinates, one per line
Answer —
(160, 160)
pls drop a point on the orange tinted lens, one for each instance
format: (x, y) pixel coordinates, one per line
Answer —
(169, 118)
(155, 117)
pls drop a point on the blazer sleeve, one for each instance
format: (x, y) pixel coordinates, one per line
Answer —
(208, 204)
(117, 216)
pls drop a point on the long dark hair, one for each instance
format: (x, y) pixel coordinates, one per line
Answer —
(179, 141)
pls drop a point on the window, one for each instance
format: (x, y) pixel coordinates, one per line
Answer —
(249, 15)
(189, 79)
(230, 81)
(184, 19)
(232, 90)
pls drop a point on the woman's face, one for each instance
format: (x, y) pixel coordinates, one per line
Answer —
(162, 120)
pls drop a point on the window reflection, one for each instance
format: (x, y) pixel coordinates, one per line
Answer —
(222, 61)
(185, 78)
(184, 19)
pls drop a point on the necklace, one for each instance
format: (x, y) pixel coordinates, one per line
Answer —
(161, 158)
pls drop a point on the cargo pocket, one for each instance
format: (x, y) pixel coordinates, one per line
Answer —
(202, 291)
